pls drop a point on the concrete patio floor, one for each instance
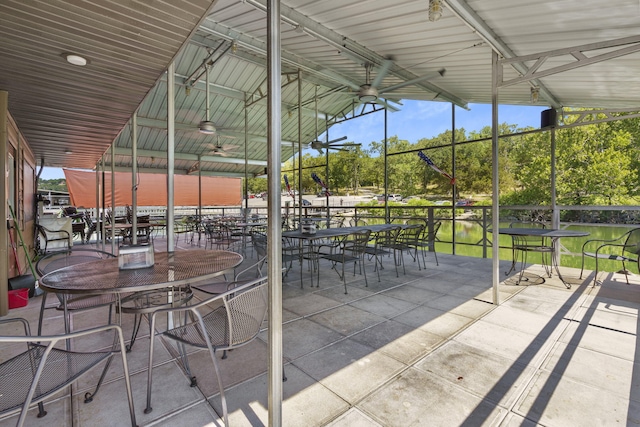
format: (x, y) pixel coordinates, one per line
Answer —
(423, 349)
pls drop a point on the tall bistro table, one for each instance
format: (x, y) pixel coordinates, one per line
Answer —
(170, 271)
(552, 233)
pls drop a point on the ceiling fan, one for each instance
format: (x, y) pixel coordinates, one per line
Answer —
(331, 145)
(370, 92)
(223, 150)
(206, 126)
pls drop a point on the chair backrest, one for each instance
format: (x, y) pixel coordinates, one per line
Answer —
(259, 241)
(527, 224)
(432, 236)
(57, 260)
(399, 220)
(88, 221)
(336, 221)
(421, 221)
(632, 244)
(357, 222)
(387, 237)
(246, 310)
(37, 372)
(71, 212)
(411, 234)
(356, 243)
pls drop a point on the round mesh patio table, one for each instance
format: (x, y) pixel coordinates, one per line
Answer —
(169, 270)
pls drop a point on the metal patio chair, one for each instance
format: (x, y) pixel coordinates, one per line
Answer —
(408, 241)
(427, 239)
(240, 278)
(382, 243)
(222, 322)
(47, 235)
(66, 258)
(625, 248)
(290, 251)
(44, 368)
(350, 248)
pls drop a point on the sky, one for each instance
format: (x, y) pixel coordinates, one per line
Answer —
(423, 119)
(416, 120)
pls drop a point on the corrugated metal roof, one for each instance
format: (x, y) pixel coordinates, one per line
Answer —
(331, 41)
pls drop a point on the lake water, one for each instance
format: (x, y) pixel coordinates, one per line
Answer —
(468, 236)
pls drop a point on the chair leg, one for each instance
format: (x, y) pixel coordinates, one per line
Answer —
(42, 308)
(416, 257)
(522, 265)
(377, 268)
(88, 396)
(148, 409)
(364, 270)
(344, 281)
(137, 320)
(513, 259)
(220, 386)
(127, 381)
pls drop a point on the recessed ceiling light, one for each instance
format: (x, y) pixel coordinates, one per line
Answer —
(76, 59)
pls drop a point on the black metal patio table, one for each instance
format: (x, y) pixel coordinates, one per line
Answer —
(329, 233)
(552, 233)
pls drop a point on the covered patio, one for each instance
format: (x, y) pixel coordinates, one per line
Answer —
(233, 89)
(426, 348)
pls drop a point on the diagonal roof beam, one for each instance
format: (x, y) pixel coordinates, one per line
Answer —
(350, 47)
(577, 54)
(356, 51)
(469, 16)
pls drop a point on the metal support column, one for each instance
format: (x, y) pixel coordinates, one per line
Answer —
(4, 211)
(170, 154)
(113, 200)
(134, 178)
(387, 213)
(274, 237)
(454, 188)
(300, 145)
(495, 196)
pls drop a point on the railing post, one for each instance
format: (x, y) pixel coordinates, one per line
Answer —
(430, 222)
(484, 232)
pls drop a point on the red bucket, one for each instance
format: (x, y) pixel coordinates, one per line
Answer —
(18, 298)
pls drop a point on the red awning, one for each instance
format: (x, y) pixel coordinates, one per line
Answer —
(152, 189)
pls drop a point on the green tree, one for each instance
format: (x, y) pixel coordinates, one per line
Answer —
(594, 165)
(58, 184)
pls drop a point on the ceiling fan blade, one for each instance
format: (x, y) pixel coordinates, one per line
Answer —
(340, 79)
(335, 140)
(429, 76)
(386, 105)
(320, 151)
(382, 72)
(396, 97)
(349, 144)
